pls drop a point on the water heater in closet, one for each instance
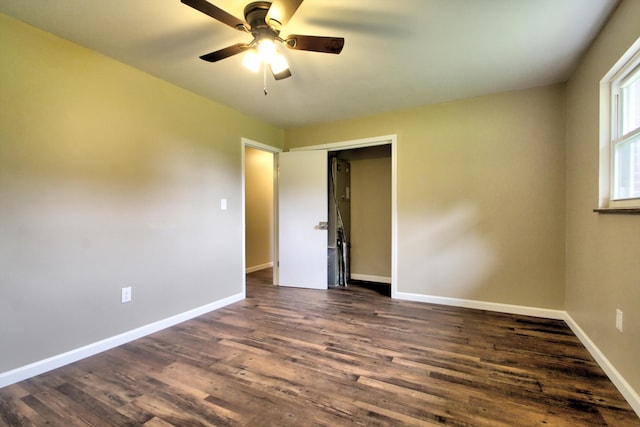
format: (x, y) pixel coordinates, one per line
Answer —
(339, 222)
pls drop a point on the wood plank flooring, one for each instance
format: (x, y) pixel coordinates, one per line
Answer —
(294, 357)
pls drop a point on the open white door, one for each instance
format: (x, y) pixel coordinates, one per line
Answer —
(302, 219)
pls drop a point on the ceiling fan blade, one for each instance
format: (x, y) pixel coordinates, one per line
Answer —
(216, 13)
(281, 75)
(225, 53)
(282, 10)
(315, 43)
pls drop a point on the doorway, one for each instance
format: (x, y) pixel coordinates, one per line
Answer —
(389, 140)
(259, 210)
(363, 204)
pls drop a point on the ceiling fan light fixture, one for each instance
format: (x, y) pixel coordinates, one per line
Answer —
(279, 64)
(252, 61)
(267, 50)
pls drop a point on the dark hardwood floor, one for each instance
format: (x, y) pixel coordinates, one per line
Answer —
(295, 357)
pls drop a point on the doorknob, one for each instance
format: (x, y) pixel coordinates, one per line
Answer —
(322, 225)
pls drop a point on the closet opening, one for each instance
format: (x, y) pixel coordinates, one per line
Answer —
(359, 247)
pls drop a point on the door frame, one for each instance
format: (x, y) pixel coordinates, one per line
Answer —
(334, 146)
(372, 142)
(246, 142)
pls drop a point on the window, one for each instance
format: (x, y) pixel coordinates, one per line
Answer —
(625, 122)
(620, 133)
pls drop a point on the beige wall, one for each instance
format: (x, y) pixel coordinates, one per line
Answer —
(109, 177)
(481, 194)
(259, 207)
(370, 211)
(603, 251)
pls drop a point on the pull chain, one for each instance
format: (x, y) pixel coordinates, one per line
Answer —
(264, 75)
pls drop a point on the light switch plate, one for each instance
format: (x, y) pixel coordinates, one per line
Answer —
(126, 294)
(619, 320)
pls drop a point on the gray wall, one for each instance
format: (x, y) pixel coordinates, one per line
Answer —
(603, 251)
(109, 177)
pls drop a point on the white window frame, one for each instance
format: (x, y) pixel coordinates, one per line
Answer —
(610, 126)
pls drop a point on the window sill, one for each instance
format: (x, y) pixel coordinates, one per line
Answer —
(618, 211)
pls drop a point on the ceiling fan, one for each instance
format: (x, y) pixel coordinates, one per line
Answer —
(264, 21)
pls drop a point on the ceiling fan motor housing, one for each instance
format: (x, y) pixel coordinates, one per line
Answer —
(255, 14)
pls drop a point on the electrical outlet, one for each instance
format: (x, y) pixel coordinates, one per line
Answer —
(619, 315)
(126, 294)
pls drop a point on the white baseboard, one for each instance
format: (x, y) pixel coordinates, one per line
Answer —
(616, 378)
(42, 366)
(370, 278)
(258, 267)
(481, 305)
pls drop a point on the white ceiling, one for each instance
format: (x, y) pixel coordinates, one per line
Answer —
(397, 54)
